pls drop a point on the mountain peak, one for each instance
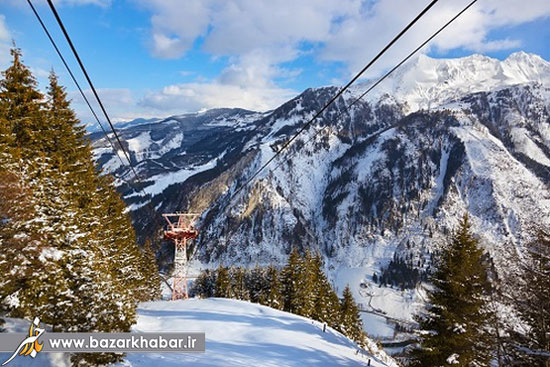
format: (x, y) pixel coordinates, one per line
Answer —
(525, 56)
(426, 81)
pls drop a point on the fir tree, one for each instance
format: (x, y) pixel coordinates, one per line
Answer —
(223, 283)
(325, 300)
(257, 284)
(204, 286)
(63, 136)
(456, 323)
(532, 347)
(274, 297)
(293, 290)
(307, 284)
(20, 102)
(69, 255)
(351, 324)
(150, 287)
(238, 284)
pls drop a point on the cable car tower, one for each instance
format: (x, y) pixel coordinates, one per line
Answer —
(180, 229)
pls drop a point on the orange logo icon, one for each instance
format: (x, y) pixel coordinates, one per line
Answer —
(30, 345)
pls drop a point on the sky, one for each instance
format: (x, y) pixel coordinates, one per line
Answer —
(155, 58)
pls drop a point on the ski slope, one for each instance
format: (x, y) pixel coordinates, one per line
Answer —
(237, 334)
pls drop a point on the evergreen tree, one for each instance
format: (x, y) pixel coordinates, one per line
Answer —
(274, 297)
(351, 324)
(318, 294)
(63, 137)
(325, 300)
(204, 286)
(307, 284)
(238, 284)
(455, 326)
(20, 102)
(532, 347)
(223, 283)
(257, 284)
(68, 252)
(292, 273)
(149, 289)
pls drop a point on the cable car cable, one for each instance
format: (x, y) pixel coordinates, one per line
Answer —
(335, 97)
(69, 41)
(74, 79)
(346, 109)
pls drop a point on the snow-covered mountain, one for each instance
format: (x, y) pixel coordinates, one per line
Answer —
(426, 82)
(390, 175)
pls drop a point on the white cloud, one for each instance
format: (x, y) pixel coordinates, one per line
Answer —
(4, 32)
(176, 24)
(353, 43)
(5, 43)
(237, 27)
(247, 82)
(259, 36)
(120, 104)
(40, 72)
(345, 30)
(496, 45)
(180, 98)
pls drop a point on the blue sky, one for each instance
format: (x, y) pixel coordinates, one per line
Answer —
(161, 57)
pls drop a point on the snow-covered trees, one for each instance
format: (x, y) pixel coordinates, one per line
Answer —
(20, 104)
(531, 346)
(455, 328)
(68, 252)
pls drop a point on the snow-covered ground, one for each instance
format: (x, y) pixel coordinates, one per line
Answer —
(237, 334)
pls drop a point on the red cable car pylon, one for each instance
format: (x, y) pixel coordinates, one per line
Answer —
(180, 229)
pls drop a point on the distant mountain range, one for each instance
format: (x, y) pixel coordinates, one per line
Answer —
(390, 175)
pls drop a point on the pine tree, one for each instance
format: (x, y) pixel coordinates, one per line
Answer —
(18, 243)
(326, 306)
(257, 284)
(69, 255)
(292, 273)
(63, 137)
(306, 283)
(455, 326)
(238, 284)
(223, 283)
(20, 102)
(274, 297)
(351, 324)
(532, 347)
(149, 289)
(204, 286)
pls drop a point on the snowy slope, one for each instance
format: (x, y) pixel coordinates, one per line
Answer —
(237, 334)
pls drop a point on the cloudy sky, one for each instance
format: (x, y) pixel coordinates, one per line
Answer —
(153, 58)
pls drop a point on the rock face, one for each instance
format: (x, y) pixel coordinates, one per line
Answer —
(391, 174)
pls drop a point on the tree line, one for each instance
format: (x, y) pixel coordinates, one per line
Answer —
(300, 287)
(68, 251)
(401, 273)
